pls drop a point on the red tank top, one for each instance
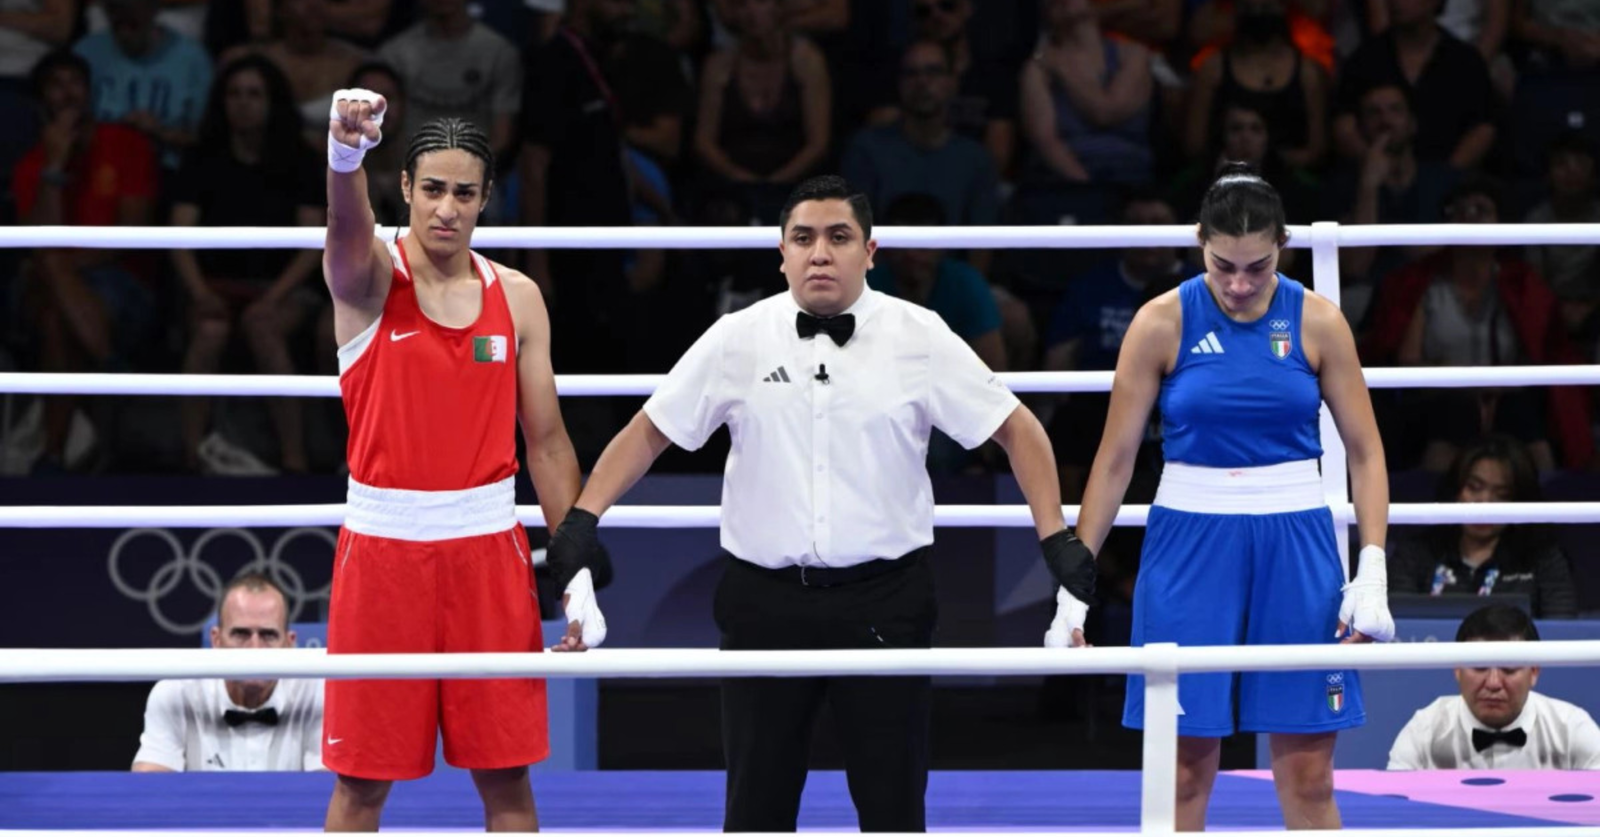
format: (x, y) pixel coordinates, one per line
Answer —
(432, 408)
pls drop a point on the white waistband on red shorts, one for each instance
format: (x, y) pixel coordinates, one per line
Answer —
(1264, 489)
(406, 515)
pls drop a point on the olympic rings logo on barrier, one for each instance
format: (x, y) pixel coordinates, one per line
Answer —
(189, 564)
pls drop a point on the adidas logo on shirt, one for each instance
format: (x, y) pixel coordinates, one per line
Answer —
(778, 377)
(1208, 345)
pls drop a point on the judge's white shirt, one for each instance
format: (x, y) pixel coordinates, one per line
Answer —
(828, 473)
(184, 728)
(1561, 736)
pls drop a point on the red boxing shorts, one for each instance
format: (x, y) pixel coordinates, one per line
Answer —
(425, 572)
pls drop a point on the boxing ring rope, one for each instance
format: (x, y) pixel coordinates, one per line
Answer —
(1159, 663)
(1563, 831)
(702, 517)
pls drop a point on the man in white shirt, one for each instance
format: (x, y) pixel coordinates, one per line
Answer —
(830, 391)
(256, 725)
(1498, 722)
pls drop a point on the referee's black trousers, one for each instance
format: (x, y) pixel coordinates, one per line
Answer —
(883, 722)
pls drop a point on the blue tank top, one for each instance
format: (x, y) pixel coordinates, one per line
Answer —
(1241, 394)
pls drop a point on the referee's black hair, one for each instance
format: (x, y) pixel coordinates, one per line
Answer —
(829, 187)
(1497, 623)
(1241, 203)
(446, 133)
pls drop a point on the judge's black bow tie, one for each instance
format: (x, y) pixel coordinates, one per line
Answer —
(1483, 739)
(839, 328)
(235, 717)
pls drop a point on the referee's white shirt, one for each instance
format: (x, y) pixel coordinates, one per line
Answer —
(829, 474)
(184, 728)
(1561, 736)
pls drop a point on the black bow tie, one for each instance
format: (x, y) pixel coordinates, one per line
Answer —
(839, 328)
(235, 717)
(1483, 739)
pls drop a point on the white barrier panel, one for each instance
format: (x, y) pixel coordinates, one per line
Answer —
(121, 664)
(703, 517)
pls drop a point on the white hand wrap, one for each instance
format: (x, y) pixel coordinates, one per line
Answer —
(342, 158)
(1070, 614)
(583, 608)
(1365, 608)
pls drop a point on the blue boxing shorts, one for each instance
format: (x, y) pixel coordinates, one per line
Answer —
(1244, 556)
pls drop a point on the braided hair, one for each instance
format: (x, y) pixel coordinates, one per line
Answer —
(446, 133)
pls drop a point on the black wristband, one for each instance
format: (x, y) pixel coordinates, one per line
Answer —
(572, 547)
(1071, 564)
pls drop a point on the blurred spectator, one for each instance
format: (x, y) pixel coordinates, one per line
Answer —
(314, 64)
(1245, 137)
(654, 96)
(1498, 722)
(1086, 333)
(953, 289)
(1471, 306)
(984, 107)
(1086, 102)
(252, 168)
(453, 65)
(29, 29)
(384, 163)
(679, 24)
(1262, 68)
(1573, 270)
(765, 107)
(186, 17)
(1565, 33)
(368, 23)
(1213, 24)
(1484, 558)
(147, 76)
(920, 152)
(1389, 186)
(1451, 95)
(573, 174)
(255, 725)
(1154, 23)
(90, 310)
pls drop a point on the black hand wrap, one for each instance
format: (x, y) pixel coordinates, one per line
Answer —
(576, 545)
(1071, 563)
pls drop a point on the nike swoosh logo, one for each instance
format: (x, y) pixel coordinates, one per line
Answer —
(395, 336)
(333, 741)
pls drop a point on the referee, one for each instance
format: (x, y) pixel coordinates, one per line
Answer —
(830, 391)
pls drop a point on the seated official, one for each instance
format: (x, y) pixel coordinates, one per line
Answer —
(256, 725)
(1498, 722)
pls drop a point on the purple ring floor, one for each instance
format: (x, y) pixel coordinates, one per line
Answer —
(692, 800)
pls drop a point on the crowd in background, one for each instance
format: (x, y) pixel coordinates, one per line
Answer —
(945, 112)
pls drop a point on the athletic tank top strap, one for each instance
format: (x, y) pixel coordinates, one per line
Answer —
(1241, 394)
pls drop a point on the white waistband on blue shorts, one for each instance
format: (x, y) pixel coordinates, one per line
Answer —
(1264, 489)
(406, 515)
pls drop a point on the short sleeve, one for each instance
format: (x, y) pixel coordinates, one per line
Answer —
(1407, 752)
(507, 96)
(968, 402)
(691, 402)
(1585, 741)
(161, 743)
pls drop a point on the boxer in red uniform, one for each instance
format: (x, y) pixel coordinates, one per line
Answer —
(441, 353)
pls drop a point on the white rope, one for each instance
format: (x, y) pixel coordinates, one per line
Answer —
(104, 665)
(1555, 831)
(1060, 236)
(327, 386)
(704, 517)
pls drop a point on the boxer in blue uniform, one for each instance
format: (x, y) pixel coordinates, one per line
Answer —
(1240, 543)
